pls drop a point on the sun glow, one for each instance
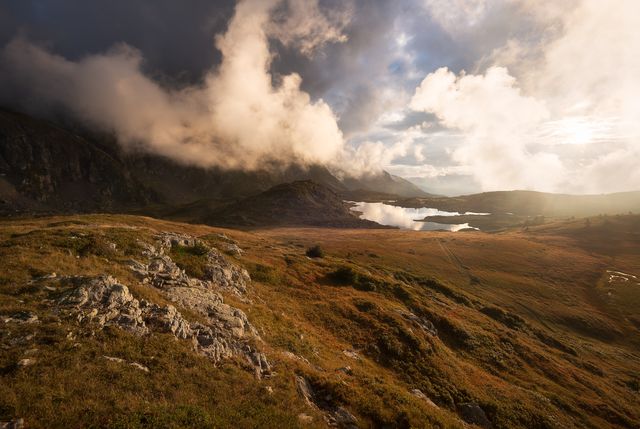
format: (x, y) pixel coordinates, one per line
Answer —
(578, 130)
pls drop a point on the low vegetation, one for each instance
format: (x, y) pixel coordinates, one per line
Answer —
(315, 252)
(192, 259)
(542, 337)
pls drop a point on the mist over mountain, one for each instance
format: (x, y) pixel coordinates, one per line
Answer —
(46, 168)
(358, 87)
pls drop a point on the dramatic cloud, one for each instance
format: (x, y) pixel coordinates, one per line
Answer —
(453, 15)
(458, 95)
(574, 84)
(304, 26)
(498, 123)
(237, 118)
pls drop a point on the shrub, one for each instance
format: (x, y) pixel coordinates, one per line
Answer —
(344, 275)
(315, 252)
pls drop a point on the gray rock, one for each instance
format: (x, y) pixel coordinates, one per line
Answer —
(233, 249)
(169, 239)
(22, 317)
(471, 413)
(344, 419)
(305, 418)
(162, 272)
(345, 369)
(114, 359)
(139, 367)
(335, 415)
(305, 390)
(102, 300)
(106, 302)
(13, 424)
(26, 362)
(136, 365)
(418, 394)
(225, 275)
(423, 323)
(167, 319)
(351, 354)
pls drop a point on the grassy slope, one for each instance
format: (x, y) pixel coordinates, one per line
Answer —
(529, 327)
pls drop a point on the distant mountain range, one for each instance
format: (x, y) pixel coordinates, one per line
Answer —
(48, 168)
(300, 203)
(531, 203)
(45, 167)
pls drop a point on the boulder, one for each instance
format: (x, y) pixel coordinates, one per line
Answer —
(419, 394)
(106, 302)
(471, 413)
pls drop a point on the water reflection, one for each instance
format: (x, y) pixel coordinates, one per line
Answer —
(405, 218)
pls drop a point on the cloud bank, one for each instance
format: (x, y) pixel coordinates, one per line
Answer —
(239, 116)
(460, 96)
(574, 84)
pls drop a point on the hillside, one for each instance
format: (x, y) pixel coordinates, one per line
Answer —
(389, 328)
(45, 168)
(51, 168)
(530, 203)
(291, 204)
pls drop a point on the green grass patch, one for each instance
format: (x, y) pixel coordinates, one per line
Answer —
(192, 259)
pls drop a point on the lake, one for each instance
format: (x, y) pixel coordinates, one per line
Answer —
(405, 218)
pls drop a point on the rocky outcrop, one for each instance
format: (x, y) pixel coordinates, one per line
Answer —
(335, 415)
(103, 301)
(163, 273)
(471, 413)
(225, 275)
(421, 322)
(419, 394)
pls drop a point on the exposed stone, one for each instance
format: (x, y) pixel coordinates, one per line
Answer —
(423, 323)
(106, 302)
(224, 237)
(335, 415)
(13, 424)
(114, 359)
(138, 366)
(26, 362)
(305, 390)
(342, 418)
(211, 305)
(418, 394)
(346, 369)
(232, 249)
(225, 275)
(169, 239)
(471, 413)
(351, 354)
(167, 319)
(162, 272)
(22, 317)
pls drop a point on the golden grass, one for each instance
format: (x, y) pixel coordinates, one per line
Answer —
(526, 328)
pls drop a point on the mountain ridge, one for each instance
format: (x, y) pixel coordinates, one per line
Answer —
(46, 167)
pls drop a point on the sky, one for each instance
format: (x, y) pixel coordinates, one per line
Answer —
(459, 96)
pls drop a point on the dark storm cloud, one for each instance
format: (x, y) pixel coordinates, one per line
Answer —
(174, 37)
